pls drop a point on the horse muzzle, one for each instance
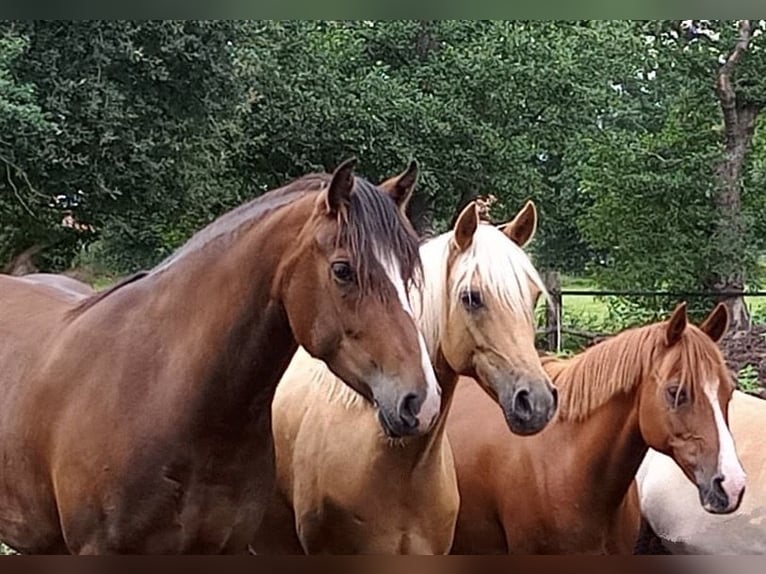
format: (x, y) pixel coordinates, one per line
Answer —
(403, 417)
(714, 498)
(530, 406)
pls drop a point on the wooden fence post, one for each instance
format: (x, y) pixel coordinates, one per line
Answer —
(552, 280)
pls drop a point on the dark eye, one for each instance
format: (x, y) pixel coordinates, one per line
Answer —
(471, 300)
(677, 395)
(342, 271)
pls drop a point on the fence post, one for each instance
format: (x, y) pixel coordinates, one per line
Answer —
(552, 280)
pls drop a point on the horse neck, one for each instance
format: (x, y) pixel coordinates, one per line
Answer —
(608, 448)
(218, 313)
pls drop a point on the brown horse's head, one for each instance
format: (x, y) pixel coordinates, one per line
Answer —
(345, 293)
(683, 408)
(483, 321)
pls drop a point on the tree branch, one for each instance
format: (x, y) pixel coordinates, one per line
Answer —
(16, 190)
(9, 164)
(726, 95)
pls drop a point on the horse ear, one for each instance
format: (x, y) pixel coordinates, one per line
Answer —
(676, 325)
(342, 184)
(522, 229)
(466, 225)
(716, 324)
(400, 187)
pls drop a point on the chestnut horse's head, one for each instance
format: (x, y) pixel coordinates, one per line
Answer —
(683, 408)
(483, 319)
(345, 293)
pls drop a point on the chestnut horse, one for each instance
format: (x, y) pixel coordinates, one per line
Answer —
(138, 419)
(567, 489)
(344, 487)
(670, 503)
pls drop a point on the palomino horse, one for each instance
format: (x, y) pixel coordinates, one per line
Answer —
(139, 419)
(344, 487)
(670, 503)
(566, 490)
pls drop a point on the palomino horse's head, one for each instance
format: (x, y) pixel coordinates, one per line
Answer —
(683, 408)
(345, 293)
(485, 322)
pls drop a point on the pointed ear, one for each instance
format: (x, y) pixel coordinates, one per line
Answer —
(400, 187)
(716, 324)
(676, 325)
(466, 226)
(342, 184)
(522, 229)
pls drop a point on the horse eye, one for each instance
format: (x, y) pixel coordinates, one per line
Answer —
(471, 300)
(676, 396)
(342, 271)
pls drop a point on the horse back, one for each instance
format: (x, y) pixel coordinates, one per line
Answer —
(60, 285)
(31, 317)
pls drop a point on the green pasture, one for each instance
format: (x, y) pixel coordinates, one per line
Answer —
(596, 308)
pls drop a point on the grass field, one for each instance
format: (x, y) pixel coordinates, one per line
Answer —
(583, 304)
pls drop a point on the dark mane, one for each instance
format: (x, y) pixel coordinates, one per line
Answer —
(91, 300)
(373, 221)
(246, 214)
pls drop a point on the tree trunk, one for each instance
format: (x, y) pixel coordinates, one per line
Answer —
(739, 124)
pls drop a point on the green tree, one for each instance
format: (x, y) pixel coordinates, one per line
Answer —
(143, 115)
(662, 212)
(25, 215)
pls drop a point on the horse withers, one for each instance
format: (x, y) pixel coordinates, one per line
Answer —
(571, 488)
(343, 486)
(138, 419)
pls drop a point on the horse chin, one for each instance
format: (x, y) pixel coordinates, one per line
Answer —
(524, 427)
(528, 422)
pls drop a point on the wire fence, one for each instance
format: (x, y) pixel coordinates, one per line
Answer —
(555, 328)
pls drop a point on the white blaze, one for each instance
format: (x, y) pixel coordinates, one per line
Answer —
(431, 406)
(729, 465)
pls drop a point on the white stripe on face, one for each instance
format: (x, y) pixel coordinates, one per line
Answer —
(431, 406)
(729, 466)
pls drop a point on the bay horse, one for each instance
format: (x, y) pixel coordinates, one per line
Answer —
(345, 487)
(138, 419)
(670, 503)
(568, 489)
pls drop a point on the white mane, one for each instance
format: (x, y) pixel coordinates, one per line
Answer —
(502, 267)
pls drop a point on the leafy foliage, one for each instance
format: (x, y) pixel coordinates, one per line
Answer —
(140, 113)
(747, 379)
(24, 211)
(148, 130)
